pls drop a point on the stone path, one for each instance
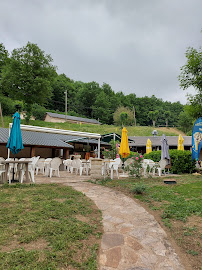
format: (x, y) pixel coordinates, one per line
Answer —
(132, 239)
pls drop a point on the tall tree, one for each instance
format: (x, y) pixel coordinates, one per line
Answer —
(191, 75)
(3, 57)
(28, 76)
(167, 114)
(153, 115)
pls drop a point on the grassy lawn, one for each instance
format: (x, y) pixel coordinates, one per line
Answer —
(178, 208)
(101, 129)
(47, 227)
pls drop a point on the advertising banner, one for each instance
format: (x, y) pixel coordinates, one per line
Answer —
(197, 139)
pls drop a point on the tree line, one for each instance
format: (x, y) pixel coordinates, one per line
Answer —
(28, 78)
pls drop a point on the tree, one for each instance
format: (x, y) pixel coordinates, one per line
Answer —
(167, 114)
(3, 57)
(28, 76)
(185, 122)
(153, 115)
(191, 75)
(123, 116)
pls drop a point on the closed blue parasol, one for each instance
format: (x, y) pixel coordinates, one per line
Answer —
(15, 140)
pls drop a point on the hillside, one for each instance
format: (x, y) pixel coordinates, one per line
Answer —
(102, 129)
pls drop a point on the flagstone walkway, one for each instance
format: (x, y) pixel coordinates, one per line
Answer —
(132, 239)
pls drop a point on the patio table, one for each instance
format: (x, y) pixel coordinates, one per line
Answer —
(7, 162)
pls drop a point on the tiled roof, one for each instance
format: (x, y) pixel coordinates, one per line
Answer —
(36, 138)
(73, 118)
(47, 139)
(156, 140)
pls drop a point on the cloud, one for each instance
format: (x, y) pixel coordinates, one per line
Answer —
(135, 46)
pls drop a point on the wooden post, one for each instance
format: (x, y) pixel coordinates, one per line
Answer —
(2, 122)
(33, 151)
(65, 153)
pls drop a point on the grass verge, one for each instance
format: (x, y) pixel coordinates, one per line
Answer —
(178, 208)
(47, 227)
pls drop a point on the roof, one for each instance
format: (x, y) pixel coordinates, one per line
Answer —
(156, 140)
(73, 118)
(110, 136)
(47, 139)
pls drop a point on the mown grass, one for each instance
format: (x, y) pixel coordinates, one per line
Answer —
(178, 207)
(101, 129)
(47, 227)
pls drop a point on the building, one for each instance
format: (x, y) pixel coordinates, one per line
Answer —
(60, 118)
(141, 141)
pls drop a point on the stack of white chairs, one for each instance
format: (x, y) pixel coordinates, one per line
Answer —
(162, 167)
(31, 169)
(67, 163)
(54, 166)
(40, 166)
(47, 163)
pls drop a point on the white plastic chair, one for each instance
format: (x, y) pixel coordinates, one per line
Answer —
(54, 166)
(77, 165)
(162, 167)
(114, 166)
(40, 166)
(31, 169)
(2, 168)
(67, 163)
(47, 166)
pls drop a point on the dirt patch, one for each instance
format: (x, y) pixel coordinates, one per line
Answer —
(60, 200)
(82, 218)
(39, 244)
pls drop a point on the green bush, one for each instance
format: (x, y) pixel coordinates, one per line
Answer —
(8, 105)
(180, 160)
(138, 188)
(38, 111)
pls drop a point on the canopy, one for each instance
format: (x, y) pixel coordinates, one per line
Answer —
(15, 139)
(124, 150)
(180, 143)
(148, 146)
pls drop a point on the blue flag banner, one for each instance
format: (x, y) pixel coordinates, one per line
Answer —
(197, 139)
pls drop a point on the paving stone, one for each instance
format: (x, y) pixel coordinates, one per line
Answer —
(110, 240)
(113, 257)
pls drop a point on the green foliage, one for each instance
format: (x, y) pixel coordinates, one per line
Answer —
(185, 122)
(191, 75)
(180, 160)
(138, 188)
(28, 76)
(112, 152)
(153, 115)
(8, 105)
(38, 111)
(123, 116)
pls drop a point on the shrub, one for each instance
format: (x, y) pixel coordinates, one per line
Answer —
(138, 188)
(8, 105)
(135, 166)
(180, 160)
(38, 111)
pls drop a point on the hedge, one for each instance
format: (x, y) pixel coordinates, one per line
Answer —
(180, 160)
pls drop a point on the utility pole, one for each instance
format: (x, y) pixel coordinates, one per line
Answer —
(2, 122)
(65, 105)
(134, 115)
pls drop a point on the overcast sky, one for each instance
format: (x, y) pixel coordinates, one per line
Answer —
(136, 46)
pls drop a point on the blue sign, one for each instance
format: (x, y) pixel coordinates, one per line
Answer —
(197, 139)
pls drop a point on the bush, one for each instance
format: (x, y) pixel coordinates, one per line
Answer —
(138, 188)
(38, 111)
(8, 105)
(135, 166)
(180, 160)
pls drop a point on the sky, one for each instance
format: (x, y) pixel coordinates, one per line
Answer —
(136, 46)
